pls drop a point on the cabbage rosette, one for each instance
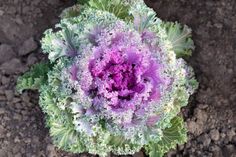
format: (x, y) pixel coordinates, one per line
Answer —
(116, 79)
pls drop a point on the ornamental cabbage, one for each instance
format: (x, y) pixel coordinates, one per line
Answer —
(115, 81)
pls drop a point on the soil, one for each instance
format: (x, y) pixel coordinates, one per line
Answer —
(210, 116)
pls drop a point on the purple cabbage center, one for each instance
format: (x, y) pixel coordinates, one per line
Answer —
(120, 77)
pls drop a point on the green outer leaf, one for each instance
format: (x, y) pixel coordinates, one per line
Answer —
(176, 134)
(71, 12)
(117, 7)
(59, 122)
(35, 78)
(82, 2)
(180, 38)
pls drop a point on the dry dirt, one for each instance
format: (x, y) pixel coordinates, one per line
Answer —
(210, 115)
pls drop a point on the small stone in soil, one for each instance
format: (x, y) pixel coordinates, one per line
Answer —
(230, 134)
(31, 59)
(194, 127)
(6, 53)
(2, 98)
(5, 80)
(1, 12)
(9, 94)
(13, 66)
(25, 97)
(138, 154)
(28, 46)
(229, 150)
(2, 111)
(16, 140)
(215, 135)
(205, 139)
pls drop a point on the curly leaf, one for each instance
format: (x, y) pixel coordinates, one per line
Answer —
(117, 7)
(142, 22)
(116, 141)
(33, 79)
(71, 12)
(172, 136)
(61, 127)
(63, 135)
(62, 43)
(180, 38)
(63, 132)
